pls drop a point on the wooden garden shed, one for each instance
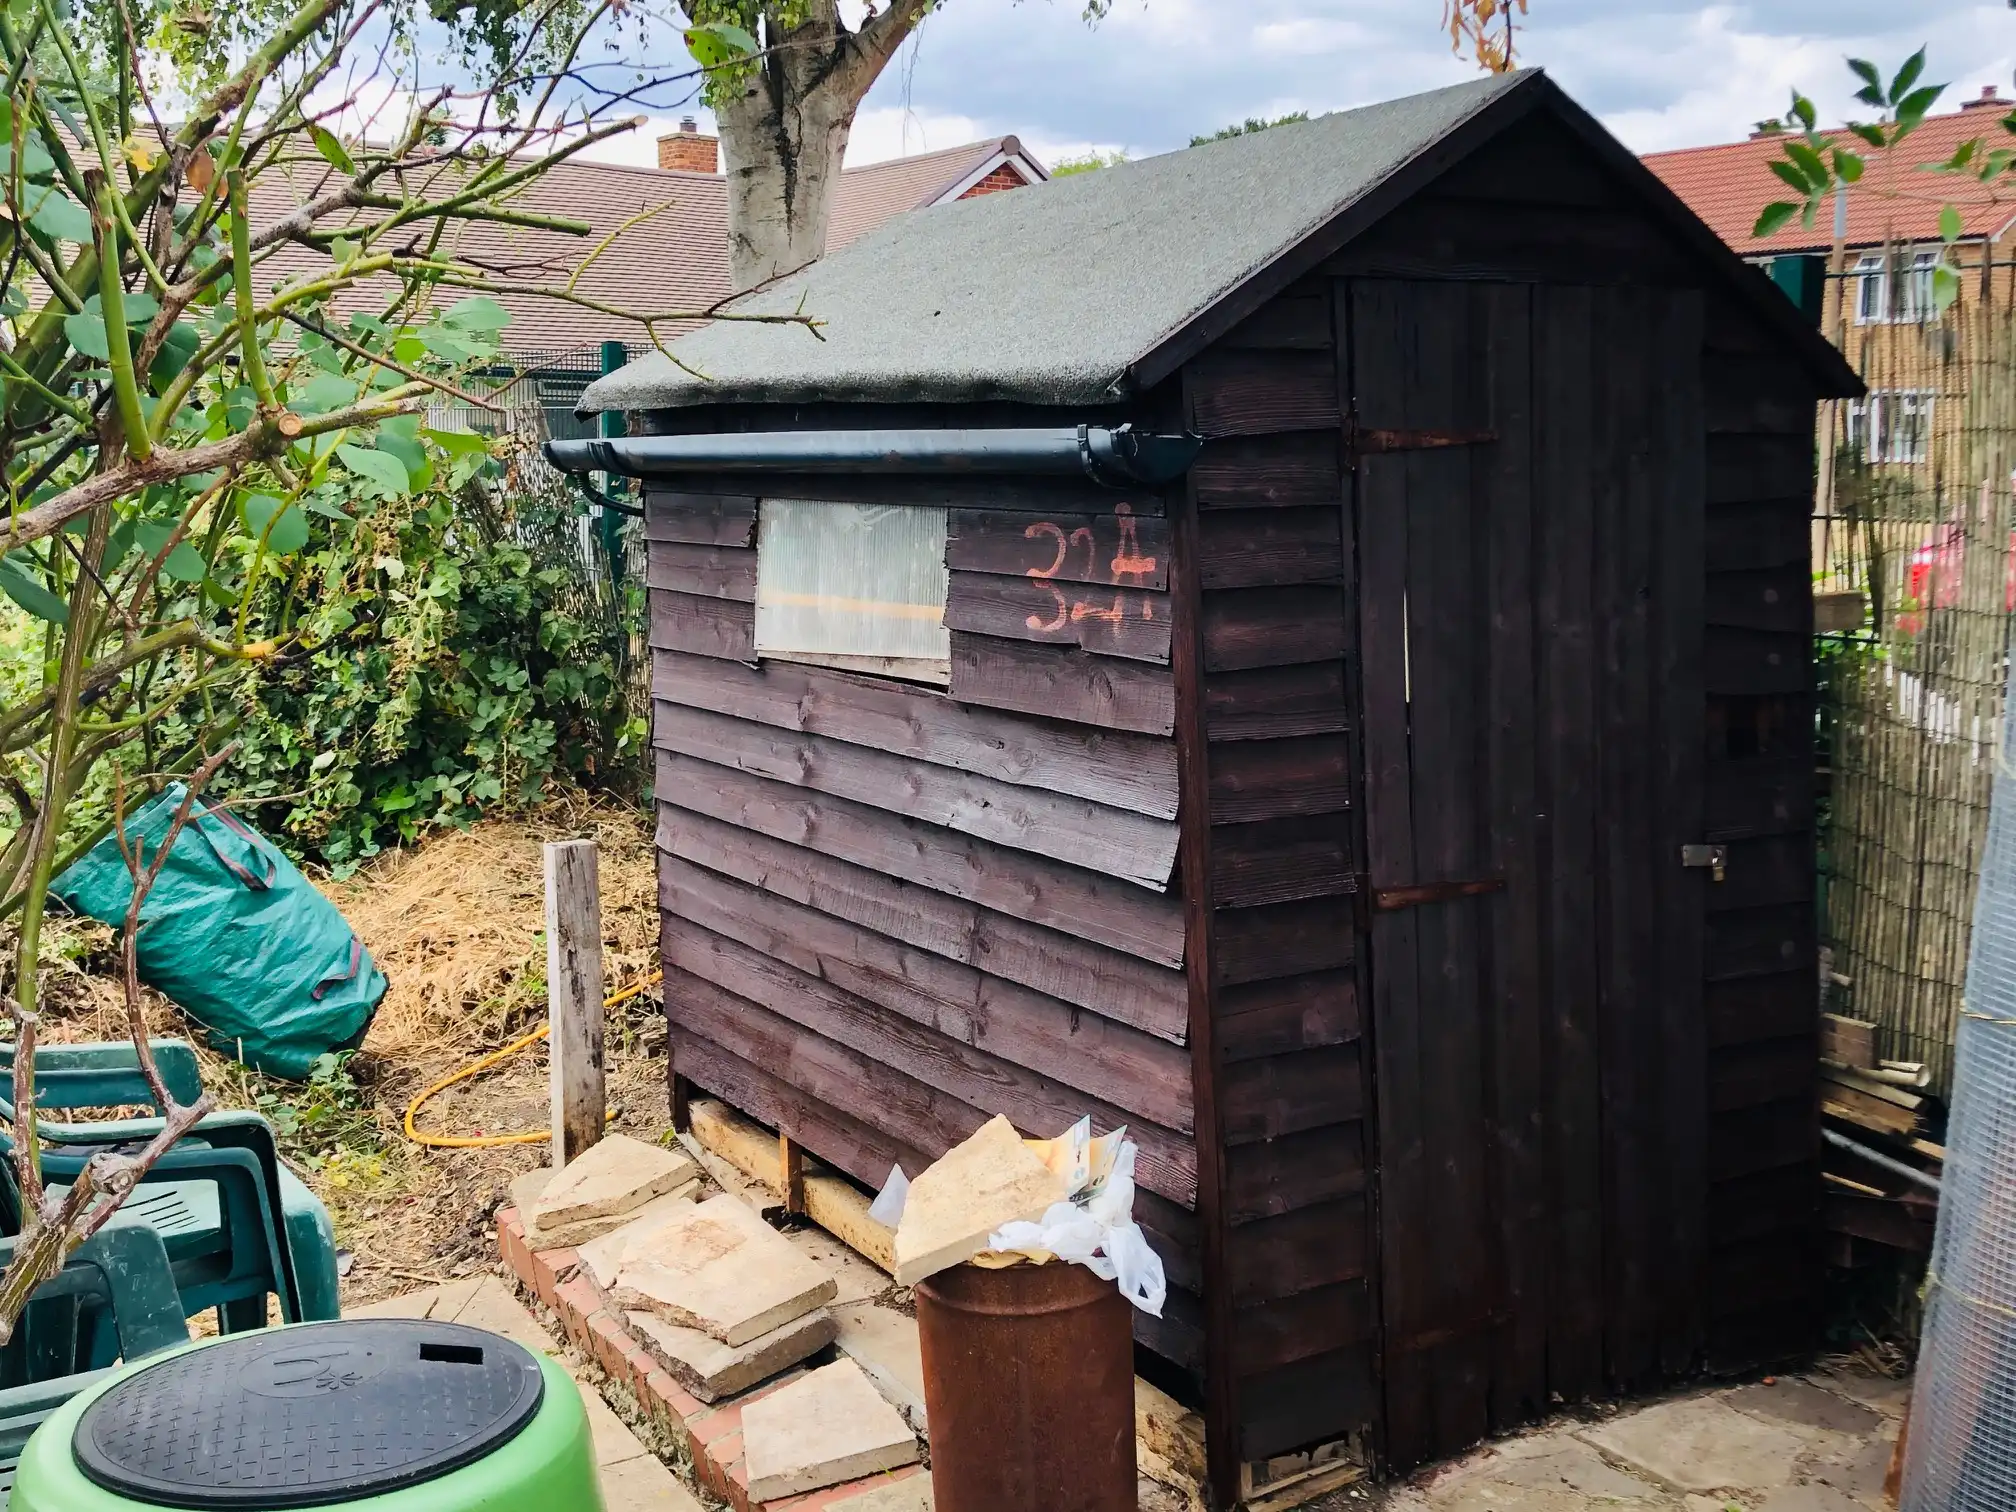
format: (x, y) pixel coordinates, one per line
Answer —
(1299, 646)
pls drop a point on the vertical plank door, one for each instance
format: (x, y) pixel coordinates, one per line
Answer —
(1528, 503)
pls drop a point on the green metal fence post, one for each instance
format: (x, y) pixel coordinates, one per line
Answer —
(610, 423)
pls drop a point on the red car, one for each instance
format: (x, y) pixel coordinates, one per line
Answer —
(1932, 578)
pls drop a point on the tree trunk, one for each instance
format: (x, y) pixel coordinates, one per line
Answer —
(784, 135)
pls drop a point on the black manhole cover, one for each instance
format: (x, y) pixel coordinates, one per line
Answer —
(301, 1417)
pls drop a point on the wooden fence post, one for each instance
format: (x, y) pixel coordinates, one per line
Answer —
(574, 997)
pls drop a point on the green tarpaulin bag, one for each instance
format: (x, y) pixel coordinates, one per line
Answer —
(236, 936)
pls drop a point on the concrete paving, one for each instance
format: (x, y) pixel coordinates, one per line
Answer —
(1820, 1442)
(633, 1478)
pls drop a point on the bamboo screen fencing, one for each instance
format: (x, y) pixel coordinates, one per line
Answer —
(1915, 581)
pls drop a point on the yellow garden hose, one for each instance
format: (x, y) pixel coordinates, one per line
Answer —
(484, 1063)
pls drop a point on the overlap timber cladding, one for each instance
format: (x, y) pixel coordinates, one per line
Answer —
(890, 912)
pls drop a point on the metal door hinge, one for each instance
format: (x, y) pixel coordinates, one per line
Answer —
(1714, 857)
(1386, 899)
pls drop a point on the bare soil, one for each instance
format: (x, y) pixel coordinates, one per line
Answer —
(457, 925)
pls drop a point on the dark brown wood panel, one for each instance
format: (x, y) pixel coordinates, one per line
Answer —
(1135, 1071)
(862, 1151)
(1286, 1014)
(1516, 243)
(1265, 548)
(1769, 1202)
(1742, 468)
(1298, 1251)
(1124, 622)
(1276, 703)
(1331, 1396)
(1758, 941)
(1752, 393)
(1286, 320)
(1286, 1094)
(717, 979)
(699, 519)
(1761, 1008)
(712, 571)
(1742, 1076)
(1296, 1171)
(1244, 471)
(1118, 548)
(1119, 844)
(1281, 939)
(703, 626)
(1134, 772)
(1253, 393)
(1763, 598)
(1764, 870)
(1756, 661)
(1272, 627)
(1775, 533)
(1767, 795)
(1271, 1334)
(1280, 860)
(1109, 983)
(1082, 903)
(1763, 1138)
(1269, 779)
(1062, 682)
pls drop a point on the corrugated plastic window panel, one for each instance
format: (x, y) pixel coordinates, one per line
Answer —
(860, 586)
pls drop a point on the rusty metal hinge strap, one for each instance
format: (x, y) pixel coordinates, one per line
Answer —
(1386, 899)
(1364, 440)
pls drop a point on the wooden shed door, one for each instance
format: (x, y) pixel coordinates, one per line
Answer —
(1531, 610)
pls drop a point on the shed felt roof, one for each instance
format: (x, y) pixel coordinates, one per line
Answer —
(1050, 294)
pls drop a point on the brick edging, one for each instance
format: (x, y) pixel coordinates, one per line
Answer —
(710, 1434)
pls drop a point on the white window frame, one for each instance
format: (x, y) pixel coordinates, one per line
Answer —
(780, 639)
(1872, 288)
(1874, 432)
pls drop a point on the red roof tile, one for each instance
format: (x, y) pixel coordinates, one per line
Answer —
(1729, 184)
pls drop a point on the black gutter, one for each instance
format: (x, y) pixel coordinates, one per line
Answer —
(1115, 456)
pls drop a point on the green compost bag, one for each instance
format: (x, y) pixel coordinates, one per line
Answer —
(234, 934)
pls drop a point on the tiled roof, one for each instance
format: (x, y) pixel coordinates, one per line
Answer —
(1727, 185)
(870, 195)
(674, 258)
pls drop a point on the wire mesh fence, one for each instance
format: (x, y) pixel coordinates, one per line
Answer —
(1915, 584)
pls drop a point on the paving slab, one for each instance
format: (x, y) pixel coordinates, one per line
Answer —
(910, 1493)
(854, 1277)
(1883, 1393)
(525, 1188)
(989, 1179)
(1790, 1400)
(1810, 1498)
(1860, 1470)
(828, 1426)
(645, 1485)
(714, 1266)
(883, 1342)
(1699, 1444)
(712, 1370)
(615, 1175)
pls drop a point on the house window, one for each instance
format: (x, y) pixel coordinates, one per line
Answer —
(1891, 425)
(859, 586)
(1913, 296)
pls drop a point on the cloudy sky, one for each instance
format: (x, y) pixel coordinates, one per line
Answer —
(1660, 73)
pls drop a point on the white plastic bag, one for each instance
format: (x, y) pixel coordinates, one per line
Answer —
(1100, 1234)
(887, 1208)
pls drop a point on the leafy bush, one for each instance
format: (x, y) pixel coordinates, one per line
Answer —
(457, 666)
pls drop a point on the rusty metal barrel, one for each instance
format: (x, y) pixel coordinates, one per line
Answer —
(1029, 1388)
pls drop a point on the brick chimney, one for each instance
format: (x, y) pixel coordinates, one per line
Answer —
(688, 151)
(1988, 99)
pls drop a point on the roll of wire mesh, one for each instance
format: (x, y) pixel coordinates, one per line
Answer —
(1961, 1451)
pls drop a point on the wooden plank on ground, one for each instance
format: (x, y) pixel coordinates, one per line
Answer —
(1132, 847)
(574, 997)
(835, 1204)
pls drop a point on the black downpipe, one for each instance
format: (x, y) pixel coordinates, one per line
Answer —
(1114, 456)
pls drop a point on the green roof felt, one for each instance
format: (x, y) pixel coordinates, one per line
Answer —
(1051, 293)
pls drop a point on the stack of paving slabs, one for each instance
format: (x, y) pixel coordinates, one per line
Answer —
(992, 1179)
(614, 1181)
(828, 1426)
(715, 1295)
